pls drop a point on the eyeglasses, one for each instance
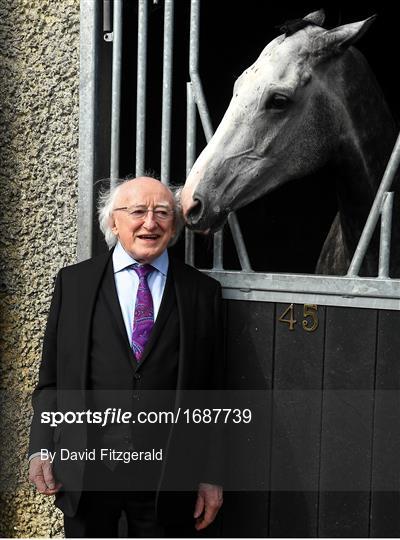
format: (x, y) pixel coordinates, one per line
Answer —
(135, 212)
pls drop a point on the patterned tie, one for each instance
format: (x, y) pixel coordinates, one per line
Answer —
(144, 313)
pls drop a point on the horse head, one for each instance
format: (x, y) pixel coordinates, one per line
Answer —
(285, 118)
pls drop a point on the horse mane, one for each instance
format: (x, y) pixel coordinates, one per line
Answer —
(294, 25)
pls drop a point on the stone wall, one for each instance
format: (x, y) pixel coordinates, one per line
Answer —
(39, 74)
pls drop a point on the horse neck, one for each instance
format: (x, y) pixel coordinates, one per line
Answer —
(367, 136)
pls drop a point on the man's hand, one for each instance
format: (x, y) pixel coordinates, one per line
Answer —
(209, 501)
(41, 474)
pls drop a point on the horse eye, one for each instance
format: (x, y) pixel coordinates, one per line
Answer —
(278, 102)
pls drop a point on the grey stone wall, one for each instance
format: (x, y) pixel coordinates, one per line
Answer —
(39, 78)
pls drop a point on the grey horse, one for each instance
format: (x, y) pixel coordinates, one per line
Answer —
(310, 100)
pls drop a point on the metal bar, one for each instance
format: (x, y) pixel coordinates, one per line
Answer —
(373, 217)
(355, 291)
(87, 111)
(167, 91)
(239, 242)
(116, 91)
(386, 235)
(141, 88)
(190, 128)
(322, 290)
(366, 302)
(218, 252)
(190, 159)
(338, 286)
(106, 16)
(194, 69)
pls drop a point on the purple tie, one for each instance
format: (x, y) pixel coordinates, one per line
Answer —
(144, 313)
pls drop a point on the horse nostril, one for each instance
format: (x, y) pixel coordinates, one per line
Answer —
(196, 211)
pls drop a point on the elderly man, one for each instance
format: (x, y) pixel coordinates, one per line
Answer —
(120, 324)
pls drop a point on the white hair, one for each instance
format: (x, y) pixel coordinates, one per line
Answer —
(105, 206)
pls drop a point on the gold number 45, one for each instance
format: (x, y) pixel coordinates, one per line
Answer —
(310, 321)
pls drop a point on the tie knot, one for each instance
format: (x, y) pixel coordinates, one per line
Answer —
(143, 270)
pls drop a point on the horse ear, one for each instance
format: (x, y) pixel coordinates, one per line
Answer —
(337, 40)
(316, 17)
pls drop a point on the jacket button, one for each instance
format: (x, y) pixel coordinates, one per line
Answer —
(137, 376)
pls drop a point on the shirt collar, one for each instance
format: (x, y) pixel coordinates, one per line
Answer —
(122, 259)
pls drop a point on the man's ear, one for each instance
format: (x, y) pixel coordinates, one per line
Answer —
(113, 225)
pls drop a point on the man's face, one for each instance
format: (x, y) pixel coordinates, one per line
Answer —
(147, 237)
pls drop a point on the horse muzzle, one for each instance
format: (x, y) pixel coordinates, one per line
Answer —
(201, 217)
(194, 213)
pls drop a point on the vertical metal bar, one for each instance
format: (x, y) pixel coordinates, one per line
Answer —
(218, 250)
(167, 90)
(239, 242)
(141, 88)
(190, 159)
(386, 235)
(194, 69)
(373, 217)
(116, 91)
(88, 52)
(190, 128)
(106, 16)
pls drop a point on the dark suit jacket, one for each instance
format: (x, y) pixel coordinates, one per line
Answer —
(64, 368)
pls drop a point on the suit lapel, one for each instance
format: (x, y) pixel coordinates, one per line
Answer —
(88, 286)
(186, 294)
(111, 297)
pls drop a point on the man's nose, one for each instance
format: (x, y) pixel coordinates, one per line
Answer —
(150, 222)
